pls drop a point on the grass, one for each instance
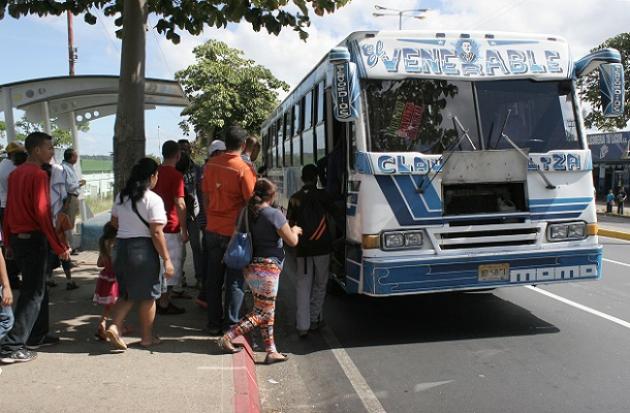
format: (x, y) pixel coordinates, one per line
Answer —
(98, 205)
(96, 165)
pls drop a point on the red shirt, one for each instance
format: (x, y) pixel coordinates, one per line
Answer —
(28, 205)
(229, 183)
(170, 186)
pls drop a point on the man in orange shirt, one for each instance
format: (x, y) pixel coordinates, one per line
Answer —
(228, 183)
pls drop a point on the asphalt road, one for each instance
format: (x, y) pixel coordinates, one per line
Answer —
(509, 350)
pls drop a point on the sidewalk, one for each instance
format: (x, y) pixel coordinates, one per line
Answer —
(183, 374)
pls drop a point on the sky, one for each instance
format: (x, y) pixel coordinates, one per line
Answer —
(34, 47)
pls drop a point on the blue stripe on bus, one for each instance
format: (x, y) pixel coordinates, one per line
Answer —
(553, 201)
(554, 208)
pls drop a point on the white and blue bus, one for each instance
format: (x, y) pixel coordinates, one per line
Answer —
(460, 158)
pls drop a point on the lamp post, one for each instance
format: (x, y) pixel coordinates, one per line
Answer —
(399, 13)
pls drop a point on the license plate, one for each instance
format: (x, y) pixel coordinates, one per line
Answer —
(494, 272)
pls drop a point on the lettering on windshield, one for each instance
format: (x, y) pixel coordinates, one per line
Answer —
(465, 58)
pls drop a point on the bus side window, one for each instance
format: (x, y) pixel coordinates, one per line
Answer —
(297, 135)
(320, 118)
(288, 133)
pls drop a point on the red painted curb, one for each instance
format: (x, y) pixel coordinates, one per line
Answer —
(246, 393)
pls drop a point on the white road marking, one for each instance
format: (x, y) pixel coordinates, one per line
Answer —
(617, 262)
(579, 306)
(426, 386)
(363, 390)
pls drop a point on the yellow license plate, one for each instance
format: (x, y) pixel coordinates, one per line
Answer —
(494, 272)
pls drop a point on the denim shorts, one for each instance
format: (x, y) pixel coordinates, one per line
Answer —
(6, 318)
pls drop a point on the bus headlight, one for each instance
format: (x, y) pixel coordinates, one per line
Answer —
(398, 240)
(566, 231)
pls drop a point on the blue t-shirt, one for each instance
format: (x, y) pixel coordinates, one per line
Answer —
(610, 198)
(265, 239)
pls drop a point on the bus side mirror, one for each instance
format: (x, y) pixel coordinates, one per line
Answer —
(611, 87)
(345, 86)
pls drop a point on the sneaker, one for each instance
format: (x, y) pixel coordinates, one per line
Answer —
(18, 356)
(45, 341)
(170, 309)
(71, 286)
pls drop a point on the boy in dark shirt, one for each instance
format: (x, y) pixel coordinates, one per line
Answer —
(311, 208)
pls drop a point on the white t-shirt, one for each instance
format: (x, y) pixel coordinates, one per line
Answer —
(150, 207)
(6, 167)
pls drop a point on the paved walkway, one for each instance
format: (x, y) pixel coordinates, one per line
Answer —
(82, 374)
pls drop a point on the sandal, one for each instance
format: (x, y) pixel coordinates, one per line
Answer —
(155, 341)
(226, 346)
(276, 359)
(101, 334)
(115, 339)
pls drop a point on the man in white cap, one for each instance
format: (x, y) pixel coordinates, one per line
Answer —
(215, 148)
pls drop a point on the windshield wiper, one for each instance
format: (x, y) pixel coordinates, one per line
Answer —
(519, 150)
(450, 150)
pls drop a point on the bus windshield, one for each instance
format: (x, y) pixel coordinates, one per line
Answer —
(419, 115)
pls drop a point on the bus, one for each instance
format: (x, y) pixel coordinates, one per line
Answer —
(459, 159)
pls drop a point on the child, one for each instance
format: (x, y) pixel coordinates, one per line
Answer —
(6, 299)
(310, 209)
(106, 292)
(62, 225)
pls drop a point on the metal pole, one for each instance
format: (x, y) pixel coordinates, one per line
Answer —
(400, 13)
(46, 115)
(71, 56)
(8, 114)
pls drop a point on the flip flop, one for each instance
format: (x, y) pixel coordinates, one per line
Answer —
(115, 339)
(273, 360)
(154, 342)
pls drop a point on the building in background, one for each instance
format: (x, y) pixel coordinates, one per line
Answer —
(611, 163)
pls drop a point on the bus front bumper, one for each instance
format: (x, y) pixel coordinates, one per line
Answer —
(400, 276)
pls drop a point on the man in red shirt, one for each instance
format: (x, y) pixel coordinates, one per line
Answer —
(170, 187)
(29, 233)
(228, 183)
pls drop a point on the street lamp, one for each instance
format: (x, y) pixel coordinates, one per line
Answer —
(399, 13)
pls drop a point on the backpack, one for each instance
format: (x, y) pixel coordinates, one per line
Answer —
(312, 217)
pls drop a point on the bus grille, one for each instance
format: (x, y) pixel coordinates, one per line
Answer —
(486, 236)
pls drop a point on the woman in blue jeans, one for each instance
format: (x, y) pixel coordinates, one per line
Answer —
(6, 299)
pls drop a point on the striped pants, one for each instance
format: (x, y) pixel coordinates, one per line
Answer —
(263, 277)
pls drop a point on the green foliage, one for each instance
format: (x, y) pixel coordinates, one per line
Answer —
(589, 88)
(189, 15)
(225, 88)
(62, 138)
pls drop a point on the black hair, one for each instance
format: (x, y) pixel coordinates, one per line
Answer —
(19, 158)
(36, 139)
(264, 190)
(139, 181)
(48, 169)
(235, 137)
(183, 165)
(183, 141)
(109, 234)
(310, 174)
(170, 149)
(67, 154)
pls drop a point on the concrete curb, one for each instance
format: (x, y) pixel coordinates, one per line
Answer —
(613, 234)
(246, 392)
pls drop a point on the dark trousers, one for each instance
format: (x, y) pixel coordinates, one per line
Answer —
(12, 269)
(31, 255)
(217, 275)
(194, 235)
(620, 208)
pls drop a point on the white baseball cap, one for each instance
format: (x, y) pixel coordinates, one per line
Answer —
(216, 145)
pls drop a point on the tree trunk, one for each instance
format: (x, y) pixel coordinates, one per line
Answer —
(129, 139)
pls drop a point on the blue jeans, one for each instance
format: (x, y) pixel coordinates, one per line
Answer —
(31, 312)
(228, 314)
(6, 318)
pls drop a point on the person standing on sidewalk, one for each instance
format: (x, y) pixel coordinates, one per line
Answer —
(311, 209)
(170, 187)
(191, 172)
(6, 299)
(610, 201)
(228, 184)
(73, 186)
(29, 232)
(621, 198)
(139, 216)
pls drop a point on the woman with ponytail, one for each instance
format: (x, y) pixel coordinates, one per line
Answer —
(139, 216)
(269, 228)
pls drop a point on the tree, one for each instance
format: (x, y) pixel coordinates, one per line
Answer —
(226, 88)
(184, 15)
(589, 88)
(62, 138)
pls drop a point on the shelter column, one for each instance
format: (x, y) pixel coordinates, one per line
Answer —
(8, 114)
(77, 166)
(46, 115)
